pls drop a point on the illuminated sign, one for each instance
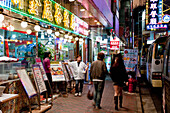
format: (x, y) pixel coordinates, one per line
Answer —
(154, 15)
(50, 13)
(33, 6)
(66, 19)
(72, 22)
(19, 3)
(166, 18)
(58, 14)
(47, 12)
(158, 26)
(114, 43)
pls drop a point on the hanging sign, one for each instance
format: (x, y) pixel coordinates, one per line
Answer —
(154, 15)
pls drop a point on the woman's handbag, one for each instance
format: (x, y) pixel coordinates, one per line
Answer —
(90, 92)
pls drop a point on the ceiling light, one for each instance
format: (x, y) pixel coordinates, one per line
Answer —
(82, 10)
(29, 31)
(49, 31)
(98, 23)
(13, 36)
(57, 33)
(70, 37)
(1, 17)
(37, 28)
(81, 39)
(24, 24)
(10, 27)
(66, 35)
(69, 40)
(71, 0)
(95, 20)
(76, 38)
(61, 38)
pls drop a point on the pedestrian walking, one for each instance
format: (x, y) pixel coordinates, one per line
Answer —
(79, 70)
(119, 77)
(46, 64)
(98, 72)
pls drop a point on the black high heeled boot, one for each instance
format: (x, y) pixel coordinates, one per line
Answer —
(116, 102)
(120, 101)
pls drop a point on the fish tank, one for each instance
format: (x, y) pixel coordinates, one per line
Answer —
(8, 70)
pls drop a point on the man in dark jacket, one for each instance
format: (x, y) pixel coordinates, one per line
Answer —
(98, 72)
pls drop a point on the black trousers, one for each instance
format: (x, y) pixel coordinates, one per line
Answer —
(48, 84)
(81, 86)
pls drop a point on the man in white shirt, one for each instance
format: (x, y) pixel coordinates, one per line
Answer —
(79, 69)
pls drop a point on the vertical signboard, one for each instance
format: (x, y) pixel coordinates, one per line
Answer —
(154, 11)
(130, 59)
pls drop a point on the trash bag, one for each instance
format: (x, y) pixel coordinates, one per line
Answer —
(90, 93)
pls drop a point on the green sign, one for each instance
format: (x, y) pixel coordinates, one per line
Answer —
(47, 11)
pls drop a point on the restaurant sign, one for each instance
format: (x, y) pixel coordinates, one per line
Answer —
(49, 12)
(154, 11)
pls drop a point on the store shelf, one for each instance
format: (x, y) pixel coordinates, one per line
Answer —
(4, 82)
(7, 97)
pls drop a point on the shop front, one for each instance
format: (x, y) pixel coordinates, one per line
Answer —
(29, 28)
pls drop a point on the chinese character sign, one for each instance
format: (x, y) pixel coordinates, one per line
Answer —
(154, 15)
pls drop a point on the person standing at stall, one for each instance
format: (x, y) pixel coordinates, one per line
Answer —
(98, 73)
(46, 64)
(79, 70)
(119, 77)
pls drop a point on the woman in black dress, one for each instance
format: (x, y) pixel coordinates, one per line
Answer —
(119, 77)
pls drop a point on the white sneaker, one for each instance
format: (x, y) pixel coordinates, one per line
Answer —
(80, 94)
(76, 94)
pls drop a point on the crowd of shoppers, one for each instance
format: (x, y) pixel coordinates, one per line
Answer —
(98, 72)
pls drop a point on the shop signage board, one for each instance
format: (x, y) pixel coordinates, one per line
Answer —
(48, 12)
(26, 82)
(154, 12)
(114, 43)
(130, 59)
(39, 78)
(57, 72)
(38, 61)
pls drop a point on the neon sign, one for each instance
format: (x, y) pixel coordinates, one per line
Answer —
(33, 6)
(58, 15)
(154, 15)
(62, 18)
(47, 13)
(66, 19)
(166, 18)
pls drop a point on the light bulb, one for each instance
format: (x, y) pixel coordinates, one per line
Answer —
(69, 40)
(61, 38)
(57, 33)
(76, 38)
(29, 31)
(24, 24)
(66, 35)
(37, 28)
(81, 39)
(1, 17)
(10, 28)
(49, 31)
(70, 37)
(13, 36)
(71, 0)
